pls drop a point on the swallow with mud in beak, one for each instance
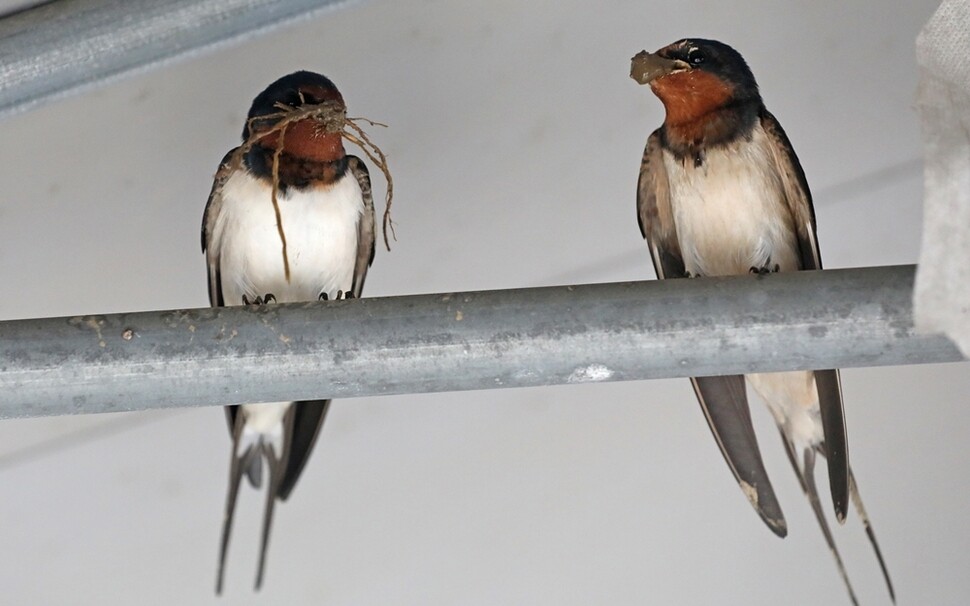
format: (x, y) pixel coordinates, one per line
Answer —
(722, 193)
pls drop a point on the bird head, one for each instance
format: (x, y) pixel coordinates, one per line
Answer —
(307, 138)
(694, 77)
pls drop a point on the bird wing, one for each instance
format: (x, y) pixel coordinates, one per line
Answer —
(365, 228)
(799, 199)
(723, 399)
(211, 247)
(302, 429)
(655, 215)
(210, 244)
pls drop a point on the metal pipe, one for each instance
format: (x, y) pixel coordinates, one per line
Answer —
(64, 46)
(463, 341)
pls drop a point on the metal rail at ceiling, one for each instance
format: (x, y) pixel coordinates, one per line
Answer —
(464, 341)
(50, 50)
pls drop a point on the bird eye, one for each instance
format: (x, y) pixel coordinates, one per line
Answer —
(696, 57)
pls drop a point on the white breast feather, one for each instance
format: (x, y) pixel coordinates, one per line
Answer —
(321, 235)
(730, 212)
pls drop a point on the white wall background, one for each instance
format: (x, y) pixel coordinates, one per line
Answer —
(515, 142)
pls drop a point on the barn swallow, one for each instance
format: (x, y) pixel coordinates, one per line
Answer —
(323, 205)
(722, 193)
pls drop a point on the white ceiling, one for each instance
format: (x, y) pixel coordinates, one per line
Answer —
(515, 139)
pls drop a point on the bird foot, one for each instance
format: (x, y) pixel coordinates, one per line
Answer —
(765, 269)
(263, 300)
(340, 295)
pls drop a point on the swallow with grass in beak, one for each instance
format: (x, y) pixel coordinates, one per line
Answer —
(720, 193)
(290, 219)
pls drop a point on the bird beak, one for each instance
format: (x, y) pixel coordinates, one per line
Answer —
(646, 67)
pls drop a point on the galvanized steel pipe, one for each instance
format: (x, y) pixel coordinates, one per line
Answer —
(463, 341)
(68, 45)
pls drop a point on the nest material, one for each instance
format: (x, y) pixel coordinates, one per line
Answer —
(330, 117)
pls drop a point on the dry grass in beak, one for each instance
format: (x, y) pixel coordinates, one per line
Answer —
(330, 117)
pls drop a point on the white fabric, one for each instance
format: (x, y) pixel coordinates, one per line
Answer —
(942, 292)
